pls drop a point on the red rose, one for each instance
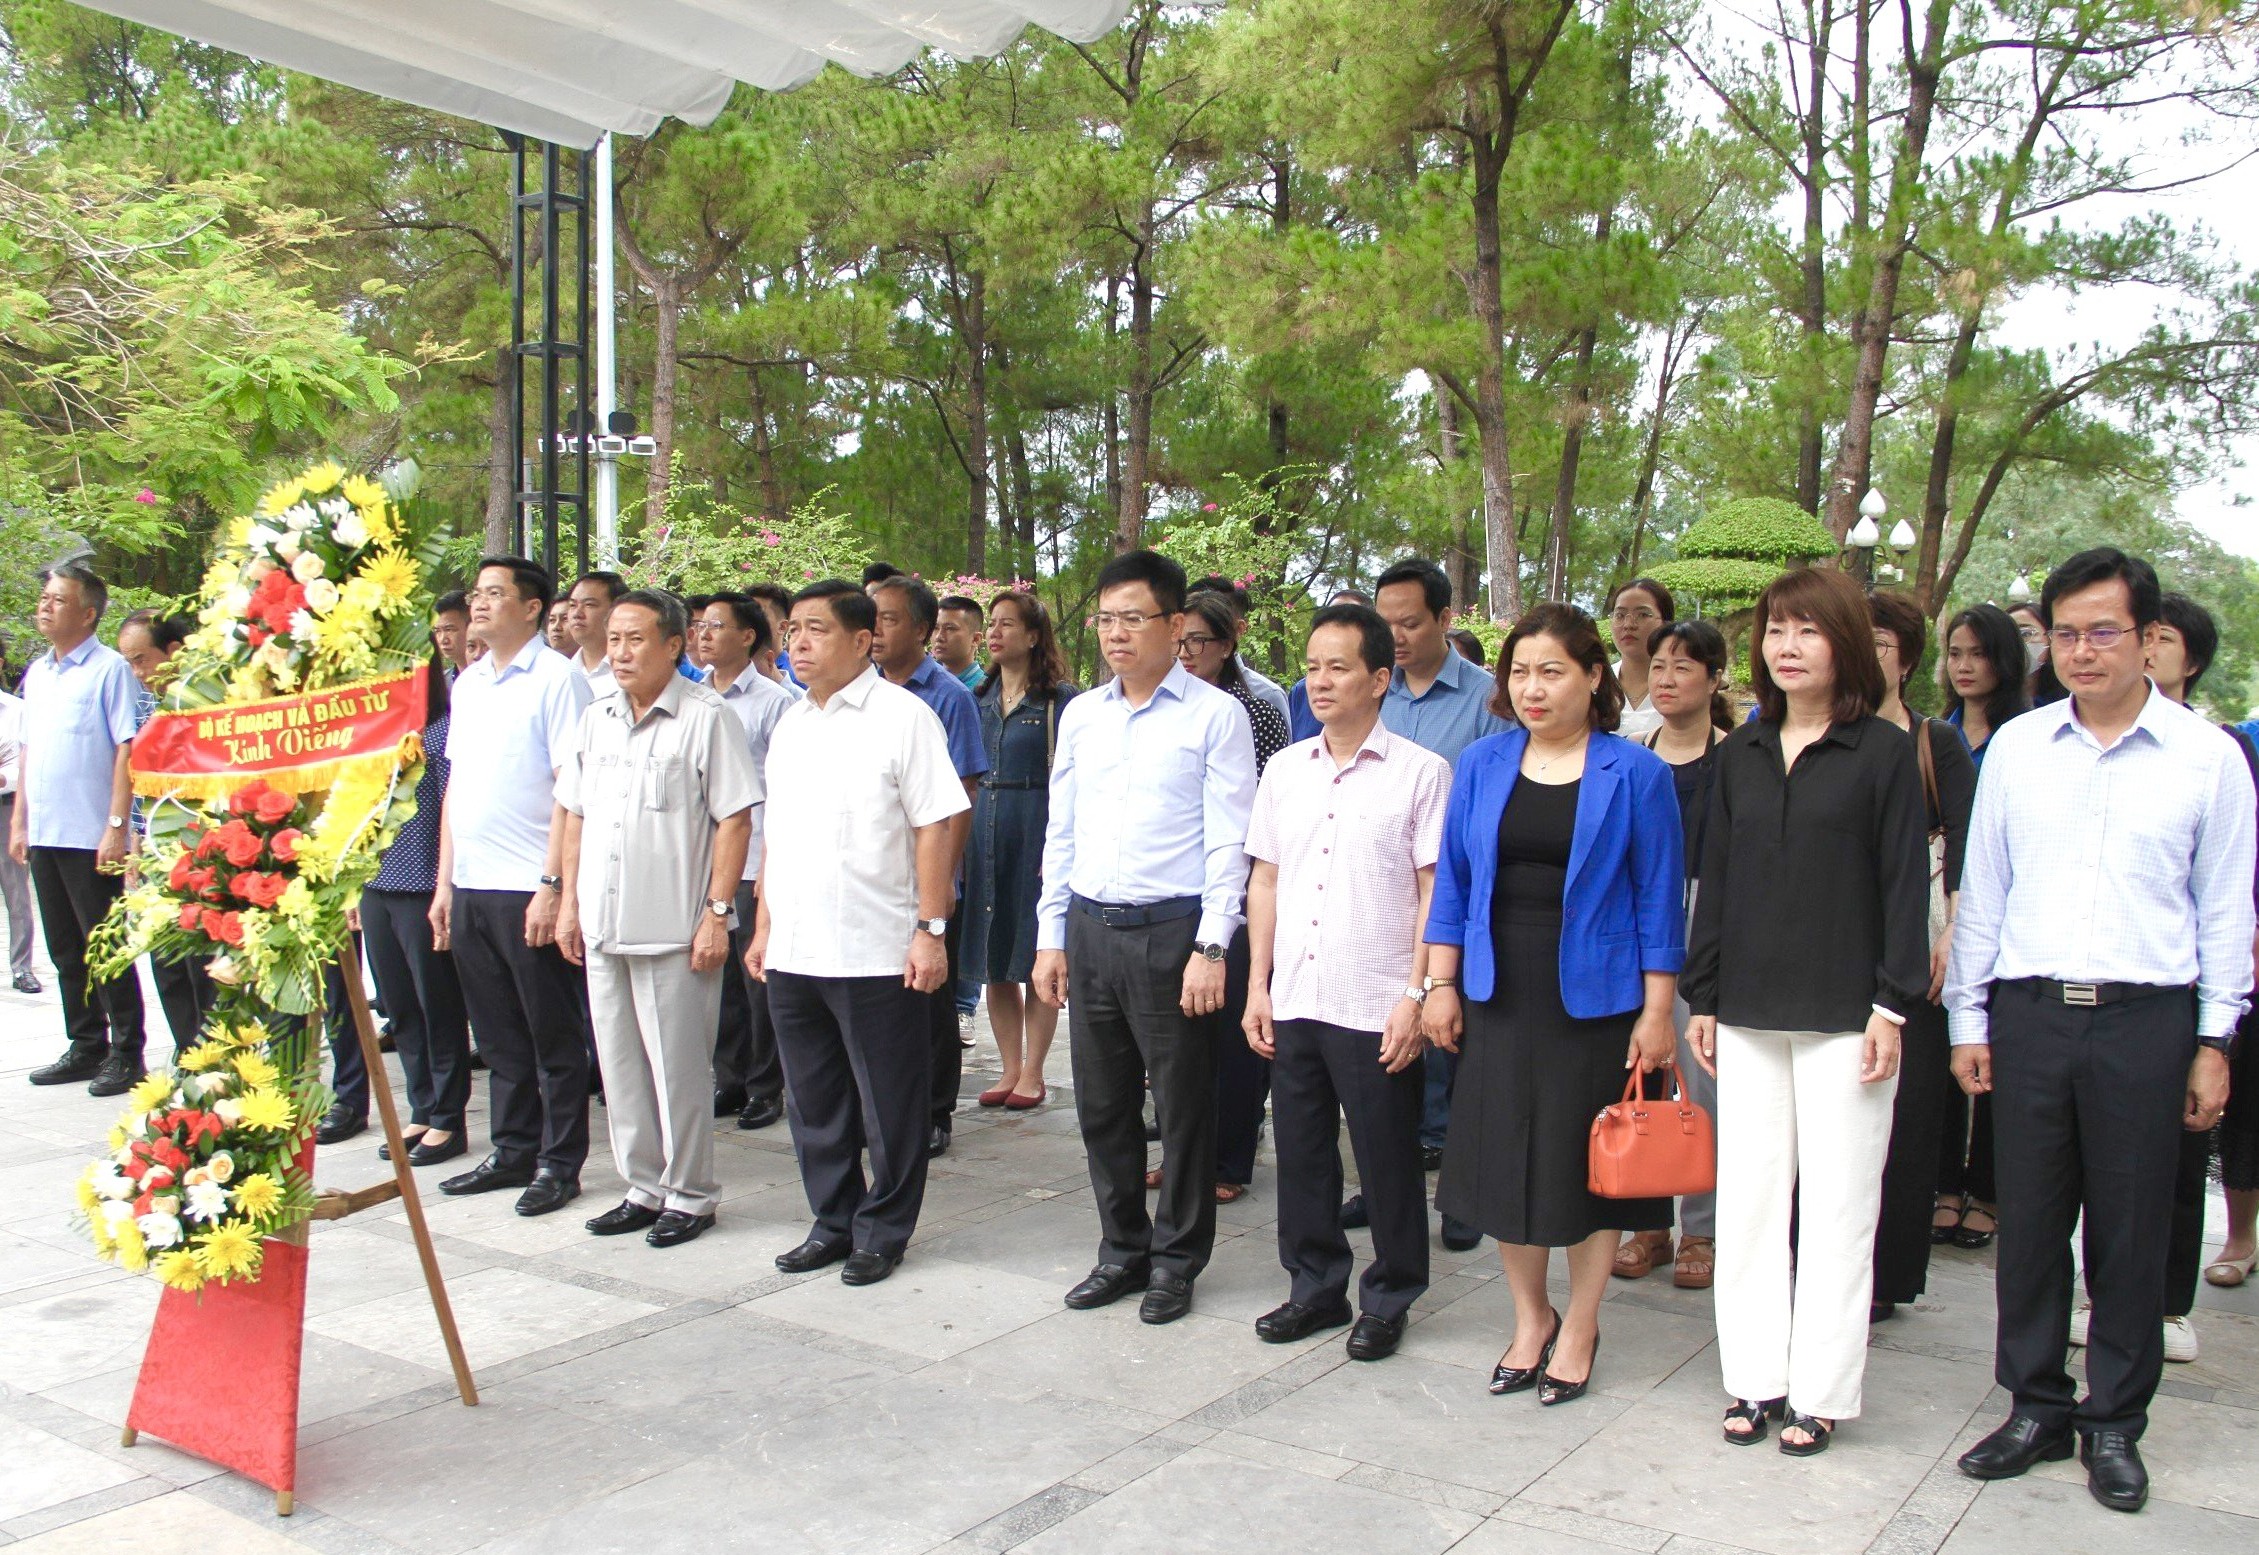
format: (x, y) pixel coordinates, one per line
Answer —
(260, 890)
(272, 805)
(200, 880)
(240, 843)
(183, 867)
(257, 636)
(226, 927)
(189, 913)
(284, 843)
(241, 801)
(211, 843)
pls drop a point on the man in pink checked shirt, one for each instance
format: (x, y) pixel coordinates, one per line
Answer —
(1344, 840)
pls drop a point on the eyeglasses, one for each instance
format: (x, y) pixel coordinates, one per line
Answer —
(1129, 620)
(2032, 634)
(2101, 638)
(1632, 617)
(1193, 642)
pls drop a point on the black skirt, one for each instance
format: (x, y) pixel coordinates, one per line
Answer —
(1531, 1075)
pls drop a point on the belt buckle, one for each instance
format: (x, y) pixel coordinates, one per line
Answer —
(2083, 994)
(1110, 915)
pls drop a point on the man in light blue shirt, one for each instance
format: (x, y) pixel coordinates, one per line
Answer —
(1438, 700)
(1144, 886)
(80, 715)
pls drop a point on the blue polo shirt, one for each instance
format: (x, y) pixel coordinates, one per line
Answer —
(1450, 715)
(78, 709)
(958, 712)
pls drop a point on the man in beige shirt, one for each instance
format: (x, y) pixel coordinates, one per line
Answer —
(655, 809)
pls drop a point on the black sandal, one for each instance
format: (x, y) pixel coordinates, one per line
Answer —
(1972, 1238)
(1810, 1427)
(1753, 1412)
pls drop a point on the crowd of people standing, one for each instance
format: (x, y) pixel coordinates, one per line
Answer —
(747, 855)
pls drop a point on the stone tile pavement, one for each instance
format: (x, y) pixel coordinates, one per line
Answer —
(696, 1400)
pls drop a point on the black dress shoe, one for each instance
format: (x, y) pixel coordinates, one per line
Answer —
(120, 1073)
(867, 1268)
(548, 1191)
(1167, 1298)
(1285, 1324)
(761, 1112)
(478, 1059)
(728, 1099)
(2015, 1447)
(1107, 1284)
(1520, 1379)
(1353, 1214)
(1459, 1237)
(488, 1175)
(1375, 1338)
(384, 1148)
(339, 1124)
(937, 1143)
(623, 1217)
(424, 1153)
(2114, 1472)
(1431, 1158)
(26, 983)
(813, 1254)
(676, 1227)
(76, 1064)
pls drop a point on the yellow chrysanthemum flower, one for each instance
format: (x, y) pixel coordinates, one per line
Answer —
(280, 498)
(322, 477)
(239, 534)
(150, 1092)
(203, 1056)
(362, 492)
(251, 1033)
(258, 1196)
(266, 1110)
(180, 1270)
(118, 1136)
(254, 1070)
(84, 1192)
(394, 574)
(133, 1252)
(230, 1251)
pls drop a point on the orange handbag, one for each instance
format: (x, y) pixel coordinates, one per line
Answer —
(1660, 1149)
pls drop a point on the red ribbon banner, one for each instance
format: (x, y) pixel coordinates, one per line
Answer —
(297, 743)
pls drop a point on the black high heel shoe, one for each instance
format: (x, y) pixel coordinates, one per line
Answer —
(1520, 1379)
(1552, 1390)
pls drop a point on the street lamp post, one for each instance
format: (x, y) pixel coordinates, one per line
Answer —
(1867, 533)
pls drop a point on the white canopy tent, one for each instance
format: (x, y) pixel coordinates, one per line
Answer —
(566, 71)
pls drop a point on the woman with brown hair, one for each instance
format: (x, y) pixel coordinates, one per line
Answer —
(1020, 701)
(1636, 610)
(1560, 893)
(1807, 955)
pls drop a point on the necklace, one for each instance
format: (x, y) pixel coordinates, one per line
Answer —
(1556, 756)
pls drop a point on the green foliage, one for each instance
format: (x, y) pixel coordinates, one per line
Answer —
(704, 548)
(1248, 539)
(1758, 529)
(1716, 583)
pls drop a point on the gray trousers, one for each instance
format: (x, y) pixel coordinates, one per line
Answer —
(654, 1021)
(1698, 1212)
(15, 889)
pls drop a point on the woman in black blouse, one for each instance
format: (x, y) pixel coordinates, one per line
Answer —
(1808, 953)
(1927, 1094)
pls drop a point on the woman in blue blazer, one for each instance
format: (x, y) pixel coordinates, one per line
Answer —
(1560, 902)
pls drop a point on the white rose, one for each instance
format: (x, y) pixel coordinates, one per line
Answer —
(222, 969)
(307, 567)
(289, 547)
(350, 532)
(256, 573)
(230, 1111)
(321, 597)
(160, 1230)
(274, 658)
(221, 1166)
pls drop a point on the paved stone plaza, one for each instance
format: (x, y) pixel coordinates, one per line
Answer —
(695, 1400)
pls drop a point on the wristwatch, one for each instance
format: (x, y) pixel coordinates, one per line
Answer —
(1430, 985)
(937, 927)
(554, 882)
(116, 821)
(719, 906)
(1416, 995)
(1209, 952)
(2224, 1043)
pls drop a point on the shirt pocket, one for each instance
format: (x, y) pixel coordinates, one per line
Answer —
(662, 783)
(608, 779)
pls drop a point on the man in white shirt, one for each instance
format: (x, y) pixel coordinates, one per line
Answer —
(2102, 956)
(855, 895)
(748, 1078)
(514, 721)
(588, 615)
(1144, 885)
(15, 878)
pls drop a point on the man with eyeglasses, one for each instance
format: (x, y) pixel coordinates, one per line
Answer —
(1144, 884)
(2102, 956)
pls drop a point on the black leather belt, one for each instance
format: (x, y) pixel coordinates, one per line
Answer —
(989, 782)
(1117, 916)
(2088, 995)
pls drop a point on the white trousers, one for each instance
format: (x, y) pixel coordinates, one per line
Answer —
(655, 1021)
(1795, 1123)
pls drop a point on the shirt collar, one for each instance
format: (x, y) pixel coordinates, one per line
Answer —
(668, 701)
(857, 691)
(1839, 733)
(928, 671)
(1453, 675)
(525, 660)
(78, 655)
(1378, 744)
(2156, 712)
(744, 681)
(1173, 683)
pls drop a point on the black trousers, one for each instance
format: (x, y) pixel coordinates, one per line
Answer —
(185, 993)
(1321, 1072)
(1243, 1076)
(745, 1045)
(1965, 1149)
(1126, 1027)
(424, 1000)
(529, 1005)
(2184, 1249)
(348, 1070)
(855, 1066)
(73, 897)
(1926, 1091)
(947, 1070)
(2086, 1113)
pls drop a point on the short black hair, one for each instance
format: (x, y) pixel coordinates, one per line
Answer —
(964, 602)
(1467, 645)
(877, 571)
(1157, 572)
(772, 594)
(748, 614)
(1234, 592)
(452, 603)
(92, 591)
(2100, 565)
(693, 603)
(850, 606)
(1434, 582)
(2200, 635)
(924, 608)
(1350, 597)
(615, 586)
(1376, 645)
(529, 578)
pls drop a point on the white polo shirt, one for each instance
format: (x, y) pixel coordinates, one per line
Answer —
(848, 785)
(758, 703)
(510, 730)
